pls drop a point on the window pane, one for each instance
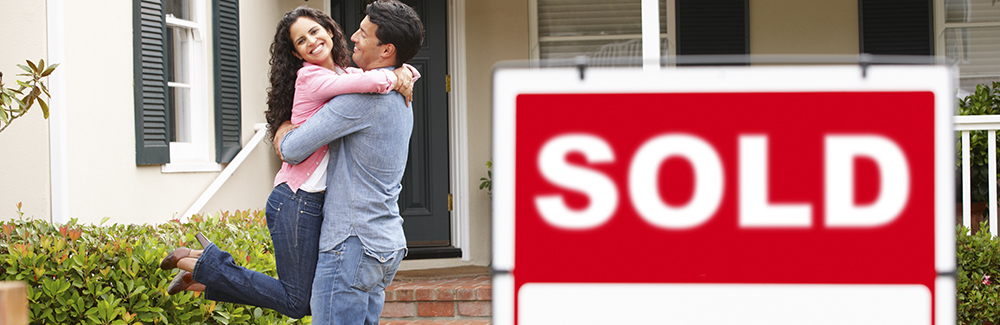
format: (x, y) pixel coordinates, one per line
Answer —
(589, 17)
(594, 49)
(180, 9)
(606, 31)
(977, 53)
(179, 79)
(182, 114)
(960, 11)
(179, 47)
(600, 52)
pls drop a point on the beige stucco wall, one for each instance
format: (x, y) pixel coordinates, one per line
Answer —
(24, 145)
(803, 27)
(495, 31)
(103, 178)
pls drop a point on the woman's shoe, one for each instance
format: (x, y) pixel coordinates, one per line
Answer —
(203, 240)
(170, 262)
(184, 281)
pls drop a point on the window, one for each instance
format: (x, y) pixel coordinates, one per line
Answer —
(971, 41)
(608, 31)
(187, 102)
(171, 94)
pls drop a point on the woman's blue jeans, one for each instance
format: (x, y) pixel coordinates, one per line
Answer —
(294, 220)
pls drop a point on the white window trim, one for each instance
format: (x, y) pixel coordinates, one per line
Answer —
(941, 26)
(194, 156)
(458, 129)
(171, 20)
(534, 39)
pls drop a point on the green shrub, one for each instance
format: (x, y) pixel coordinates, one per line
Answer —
(978, 276)
(96, 274)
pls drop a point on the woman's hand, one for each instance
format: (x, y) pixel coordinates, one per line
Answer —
(404, 83)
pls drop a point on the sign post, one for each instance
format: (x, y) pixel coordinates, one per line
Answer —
(718, 195)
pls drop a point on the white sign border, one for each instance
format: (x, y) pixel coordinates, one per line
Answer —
(510, 82)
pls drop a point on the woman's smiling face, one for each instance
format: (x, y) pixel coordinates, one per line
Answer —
(312, 42)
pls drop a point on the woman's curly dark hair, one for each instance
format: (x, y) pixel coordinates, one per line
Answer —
(285, 65)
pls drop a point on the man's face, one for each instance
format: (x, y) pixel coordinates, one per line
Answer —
(367, 50)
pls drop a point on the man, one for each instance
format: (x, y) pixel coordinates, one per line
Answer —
(362, 239)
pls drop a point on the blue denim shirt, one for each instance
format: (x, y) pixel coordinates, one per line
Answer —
(368, 135)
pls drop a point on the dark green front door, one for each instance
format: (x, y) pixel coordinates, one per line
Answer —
(424, 200)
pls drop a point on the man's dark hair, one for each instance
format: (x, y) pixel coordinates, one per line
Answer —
(399, 25)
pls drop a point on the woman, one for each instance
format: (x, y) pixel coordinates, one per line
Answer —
(308, 57)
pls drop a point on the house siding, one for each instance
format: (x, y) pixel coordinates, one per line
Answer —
(24, 146)
(803, 27)
(495, 31)
(103, 179)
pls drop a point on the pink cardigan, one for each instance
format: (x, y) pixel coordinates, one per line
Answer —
(316, 85)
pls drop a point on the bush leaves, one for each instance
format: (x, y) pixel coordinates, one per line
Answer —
(36, 72)
(109, 274)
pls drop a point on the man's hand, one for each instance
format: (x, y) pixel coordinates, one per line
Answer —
(404, 83)
(280, 134)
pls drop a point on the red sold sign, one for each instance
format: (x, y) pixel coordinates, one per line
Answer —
(724, 196)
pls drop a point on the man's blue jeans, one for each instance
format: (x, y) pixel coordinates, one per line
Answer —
(350, 283)
(294, 220)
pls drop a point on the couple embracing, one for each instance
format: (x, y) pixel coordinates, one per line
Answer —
(333, 214)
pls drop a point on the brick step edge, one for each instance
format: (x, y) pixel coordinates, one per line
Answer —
(454, 289)
(439, 294)
(462, 309)
(437, 322)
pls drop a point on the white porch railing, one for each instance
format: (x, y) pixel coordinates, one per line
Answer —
(990, 123)
(261, 129)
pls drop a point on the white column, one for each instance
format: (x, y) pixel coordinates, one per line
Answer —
(58, 163)
(650, 35)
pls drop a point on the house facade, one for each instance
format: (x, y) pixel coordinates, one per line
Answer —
(156, 102)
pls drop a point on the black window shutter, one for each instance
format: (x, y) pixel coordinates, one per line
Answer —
(899, 27)
(152, 138)
(712, 27)
(226, 42)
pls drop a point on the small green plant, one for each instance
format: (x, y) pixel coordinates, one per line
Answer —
(109, 274)
(984, 101)
(487, 182)
(978, 291)
(14, 103)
